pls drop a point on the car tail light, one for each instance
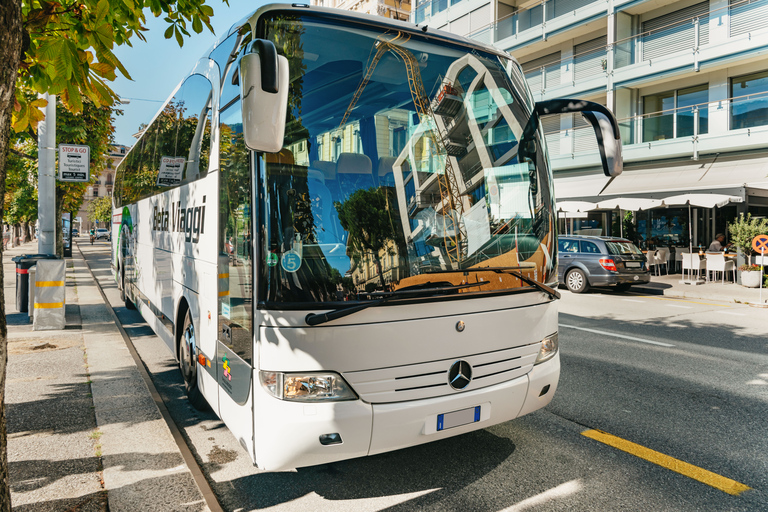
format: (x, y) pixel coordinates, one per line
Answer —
(608, 264)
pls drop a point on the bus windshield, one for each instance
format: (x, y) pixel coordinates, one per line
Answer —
(400, 163)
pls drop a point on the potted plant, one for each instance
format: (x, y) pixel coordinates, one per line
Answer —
(744, 229)
(750, 275)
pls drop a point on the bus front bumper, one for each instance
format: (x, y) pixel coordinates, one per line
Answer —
(368, 429)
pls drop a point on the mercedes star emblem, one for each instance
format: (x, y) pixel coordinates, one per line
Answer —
(460, 374)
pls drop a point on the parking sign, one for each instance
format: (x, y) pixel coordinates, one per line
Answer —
(74, 162)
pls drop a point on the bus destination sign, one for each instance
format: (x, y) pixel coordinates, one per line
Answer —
(74, 162)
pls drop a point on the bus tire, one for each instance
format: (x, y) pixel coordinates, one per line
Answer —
(123, 295)
(188, 364)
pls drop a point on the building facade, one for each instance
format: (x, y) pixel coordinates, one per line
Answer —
(687, 81)
(100, 188)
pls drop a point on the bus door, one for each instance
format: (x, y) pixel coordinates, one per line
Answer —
(236, 279)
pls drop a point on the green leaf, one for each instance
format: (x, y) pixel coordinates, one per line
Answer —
(50, 48)
(169, 32)
(197, 25)
(62, 64)
(102, 9)
(105, 34)
(179, 38)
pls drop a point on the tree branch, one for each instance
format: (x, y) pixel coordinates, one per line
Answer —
(23, 155)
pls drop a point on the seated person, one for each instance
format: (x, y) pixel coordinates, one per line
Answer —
(717, 244)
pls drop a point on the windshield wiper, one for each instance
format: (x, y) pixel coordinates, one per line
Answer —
(553, 294)
(422, 290)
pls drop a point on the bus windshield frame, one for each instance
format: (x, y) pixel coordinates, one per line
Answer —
(400, 162)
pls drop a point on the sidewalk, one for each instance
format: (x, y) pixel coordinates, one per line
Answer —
(671, 286)
(84, 432)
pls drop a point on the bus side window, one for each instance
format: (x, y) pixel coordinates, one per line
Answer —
(235, 236)
(181, 130)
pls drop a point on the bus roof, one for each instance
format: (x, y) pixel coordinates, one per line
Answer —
(368, 19)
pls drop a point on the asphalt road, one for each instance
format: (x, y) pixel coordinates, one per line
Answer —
(686, 381)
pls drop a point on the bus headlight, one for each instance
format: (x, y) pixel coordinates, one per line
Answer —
(549, 346)
(307, 387)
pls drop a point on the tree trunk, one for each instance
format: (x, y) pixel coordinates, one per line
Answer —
(10, 52)
(25, 232)
(377, 261)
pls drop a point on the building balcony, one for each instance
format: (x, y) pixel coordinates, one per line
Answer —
(733, 124)
(714, 40)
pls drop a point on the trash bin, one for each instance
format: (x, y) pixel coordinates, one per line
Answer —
(23, 264)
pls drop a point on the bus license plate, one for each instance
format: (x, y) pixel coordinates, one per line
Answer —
(635, 264)
(458, 418)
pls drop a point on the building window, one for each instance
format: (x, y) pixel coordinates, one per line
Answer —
(749, 100)
(672, 114)
(95, 191)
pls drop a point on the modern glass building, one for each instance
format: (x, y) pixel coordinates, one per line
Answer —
(687, 80)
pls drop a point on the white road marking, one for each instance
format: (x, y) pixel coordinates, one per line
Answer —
(614, 335)
(681, 307)
(632, 300)
(730, 313)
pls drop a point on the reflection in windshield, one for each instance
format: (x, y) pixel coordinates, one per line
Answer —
(400, 159)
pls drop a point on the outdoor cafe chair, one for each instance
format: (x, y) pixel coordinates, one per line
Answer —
(716, 263)
(662, 258)
(692, 263)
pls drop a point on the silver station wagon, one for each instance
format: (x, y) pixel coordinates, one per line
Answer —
(586, 261)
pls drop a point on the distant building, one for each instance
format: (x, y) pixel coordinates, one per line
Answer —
(395, 9)
(687, 81)
(102, 187)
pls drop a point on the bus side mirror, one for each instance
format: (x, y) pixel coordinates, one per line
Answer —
(264, 90)
(602, 121)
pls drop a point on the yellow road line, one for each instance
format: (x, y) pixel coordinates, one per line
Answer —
(702, 475)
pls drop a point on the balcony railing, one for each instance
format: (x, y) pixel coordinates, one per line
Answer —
(509, 25)
(746, 111)
(686, 34)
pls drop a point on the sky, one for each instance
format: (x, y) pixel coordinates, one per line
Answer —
(158, 65)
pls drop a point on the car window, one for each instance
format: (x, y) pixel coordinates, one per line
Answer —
(568, 245)
(589, 247)
(622, 248)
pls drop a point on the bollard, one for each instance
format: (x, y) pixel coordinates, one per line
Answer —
(31, 308)
(49, 295)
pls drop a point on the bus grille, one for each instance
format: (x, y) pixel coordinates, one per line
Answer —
(430, 380)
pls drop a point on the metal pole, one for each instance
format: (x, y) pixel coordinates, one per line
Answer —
(690, 235)
(46, 178)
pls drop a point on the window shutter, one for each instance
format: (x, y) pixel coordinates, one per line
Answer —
(532, 71)
(551, 127)
(583, 135)
(674, 32)
(588, 58)
(747, 16)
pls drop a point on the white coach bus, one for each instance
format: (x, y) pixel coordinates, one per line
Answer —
(343, 227)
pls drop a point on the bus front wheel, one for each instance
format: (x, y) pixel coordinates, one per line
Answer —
(123, 295)
(188, 364)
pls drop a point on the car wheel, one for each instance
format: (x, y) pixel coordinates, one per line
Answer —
(188, 364)
(576, 281)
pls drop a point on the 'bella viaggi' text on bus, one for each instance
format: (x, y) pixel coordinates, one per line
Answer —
(343, 227)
